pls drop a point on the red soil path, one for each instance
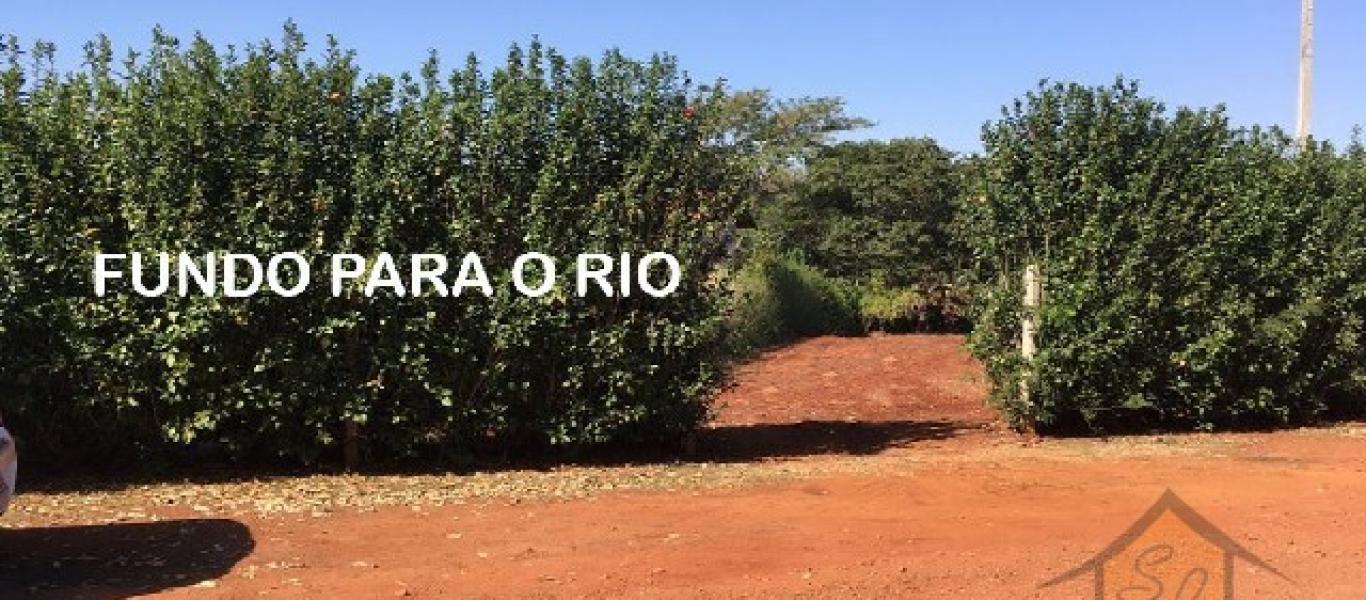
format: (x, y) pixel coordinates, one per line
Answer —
(898, 484)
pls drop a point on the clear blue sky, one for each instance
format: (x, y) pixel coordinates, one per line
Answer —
(915, 68)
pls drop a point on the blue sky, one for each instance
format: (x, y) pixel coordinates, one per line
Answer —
(914, 67)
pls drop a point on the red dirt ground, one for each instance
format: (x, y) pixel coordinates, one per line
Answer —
(892, 481)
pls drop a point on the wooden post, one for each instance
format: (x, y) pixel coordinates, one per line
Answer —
(1029, 326)
(1306, 70)
(351, 445)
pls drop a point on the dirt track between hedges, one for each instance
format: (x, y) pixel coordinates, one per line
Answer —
(836, 468)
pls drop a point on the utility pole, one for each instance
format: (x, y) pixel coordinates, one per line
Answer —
(1306, 69)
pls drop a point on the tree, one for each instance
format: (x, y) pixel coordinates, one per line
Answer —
(870, 211)
(772, 138)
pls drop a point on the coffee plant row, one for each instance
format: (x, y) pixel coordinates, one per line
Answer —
(185, 148)
(1195, 275)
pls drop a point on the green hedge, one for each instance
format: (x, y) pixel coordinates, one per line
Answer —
(779, 299)
(1197, 275)
(272, 149)
(922, 308)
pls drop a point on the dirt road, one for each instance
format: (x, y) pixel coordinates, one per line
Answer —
(836, 468)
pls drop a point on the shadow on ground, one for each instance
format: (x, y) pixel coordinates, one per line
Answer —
(785, 440)
(119, 560)
(714, 443)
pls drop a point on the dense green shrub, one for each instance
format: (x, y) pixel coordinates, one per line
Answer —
(870, 211)
(935, 308)
(779, 299)
(877, 215)
(271, 149)
(1196, 275)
